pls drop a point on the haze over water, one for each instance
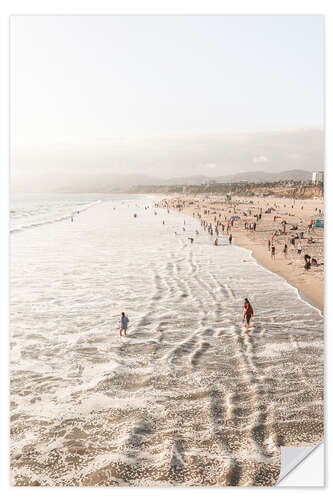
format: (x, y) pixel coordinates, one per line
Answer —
(188, 398)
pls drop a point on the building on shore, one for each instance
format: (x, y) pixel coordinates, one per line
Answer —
(318, 177)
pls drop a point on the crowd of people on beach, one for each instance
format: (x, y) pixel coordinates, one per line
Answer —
(220, 222)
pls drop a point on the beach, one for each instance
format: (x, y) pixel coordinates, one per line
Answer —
(294, 212)
(190, 397)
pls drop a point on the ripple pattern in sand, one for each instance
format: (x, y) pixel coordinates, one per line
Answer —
(189, 398)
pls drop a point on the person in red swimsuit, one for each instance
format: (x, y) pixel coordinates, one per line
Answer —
(248, 312)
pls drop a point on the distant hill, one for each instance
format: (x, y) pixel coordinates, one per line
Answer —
(102, 182)
(130, 181)
(258, 176)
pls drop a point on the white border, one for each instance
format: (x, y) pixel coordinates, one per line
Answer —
(292, 7)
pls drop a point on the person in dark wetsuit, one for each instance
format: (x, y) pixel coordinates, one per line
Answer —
(248, 312)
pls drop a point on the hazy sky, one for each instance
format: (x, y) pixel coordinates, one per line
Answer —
(119, 80)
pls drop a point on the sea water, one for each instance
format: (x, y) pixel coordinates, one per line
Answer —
(189, 397)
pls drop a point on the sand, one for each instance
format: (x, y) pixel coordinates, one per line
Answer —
(310, 283)
(190, 397)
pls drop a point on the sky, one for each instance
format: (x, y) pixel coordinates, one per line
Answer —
(114, 92)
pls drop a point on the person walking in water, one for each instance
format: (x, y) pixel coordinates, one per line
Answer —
(248, 312)
(123, 324)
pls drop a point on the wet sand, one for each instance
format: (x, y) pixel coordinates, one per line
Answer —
(291, 267)
(190, 397)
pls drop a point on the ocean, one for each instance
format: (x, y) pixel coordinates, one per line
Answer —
(189, 397)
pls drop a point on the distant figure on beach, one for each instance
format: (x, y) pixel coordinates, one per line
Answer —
(163, 223)
(72, 218)
(269, 245)
(273, 251)
(123, 324)
(299, 249)
(248, 312)
(230, 239)
(285, 250)
(191, 240)
(216, 242)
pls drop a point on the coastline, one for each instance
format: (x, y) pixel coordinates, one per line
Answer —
(187, 362)
(310, 284)
(306, 291)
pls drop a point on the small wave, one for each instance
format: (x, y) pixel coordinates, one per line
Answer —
(57, 219)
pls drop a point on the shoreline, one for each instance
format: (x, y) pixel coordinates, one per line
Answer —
(306, 291)
(290, 266)
(306, 297)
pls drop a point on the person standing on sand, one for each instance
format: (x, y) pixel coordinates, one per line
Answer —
(230, 239)
(248, 312)
(123, 324)
(285, 250)
(273, 251)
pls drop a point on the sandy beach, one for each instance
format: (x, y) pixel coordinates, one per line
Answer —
(297, 213)
(191, 396)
